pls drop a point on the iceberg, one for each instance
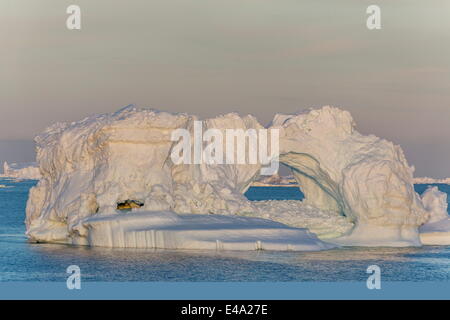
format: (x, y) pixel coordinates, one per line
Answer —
(436, 231)
(427, 180)
(275, 181)
(26, 171)
(358, 189)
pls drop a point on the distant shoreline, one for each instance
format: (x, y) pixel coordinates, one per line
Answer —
(258, 184)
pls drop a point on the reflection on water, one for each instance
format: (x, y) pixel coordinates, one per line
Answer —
(22, 261)
(44, 262)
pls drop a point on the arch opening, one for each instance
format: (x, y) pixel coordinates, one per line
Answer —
(318, 187)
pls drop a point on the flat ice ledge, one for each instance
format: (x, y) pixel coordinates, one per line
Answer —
(380, 236)
(436, 233)
(167, 230)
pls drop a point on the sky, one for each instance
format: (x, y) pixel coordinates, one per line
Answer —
(209, 57)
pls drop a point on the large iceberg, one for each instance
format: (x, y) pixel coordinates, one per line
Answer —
(359, 189)
(94, 167)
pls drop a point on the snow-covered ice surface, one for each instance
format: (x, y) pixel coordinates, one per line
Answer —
(437, 229)
(326, 224)
(28, 171)
(359, 189)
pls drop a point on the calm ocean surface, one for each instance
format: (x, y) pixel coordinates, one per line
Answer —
(23, 261)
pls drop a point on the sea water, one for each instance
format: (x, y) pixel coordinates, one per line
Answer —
(23, 261)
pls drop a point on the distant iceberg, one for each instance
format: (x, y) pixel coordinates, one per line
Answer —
(276, 180)
(28, 170)
(358, 189)
(436, 231)
(426, 180)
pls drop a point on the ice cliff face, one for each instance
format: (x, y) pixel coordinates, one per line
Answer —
(93, 167)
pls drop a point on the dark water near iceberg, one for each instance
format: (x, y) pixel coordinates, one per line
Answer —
(23, 261)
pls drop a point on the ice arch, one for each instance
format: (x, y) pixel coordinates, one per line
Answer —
(365, 178)
(89, 167)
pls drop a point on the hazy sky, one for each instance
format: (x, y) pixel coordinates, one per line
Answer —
(209, 57)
